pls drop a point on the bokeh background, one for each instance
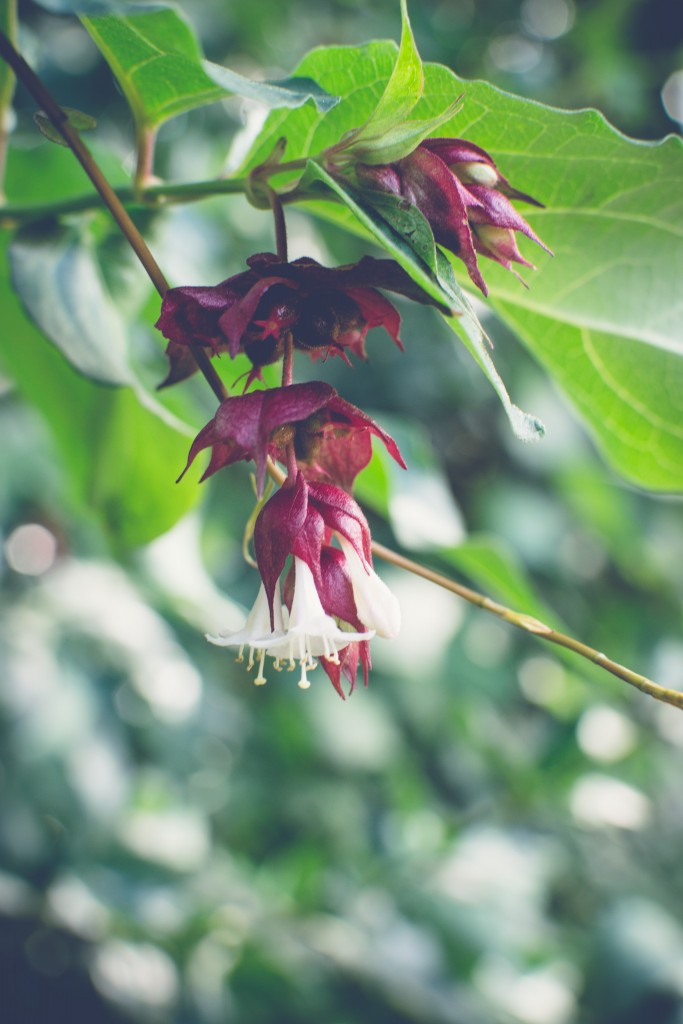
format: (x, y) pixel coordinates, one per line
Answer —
(490, 833)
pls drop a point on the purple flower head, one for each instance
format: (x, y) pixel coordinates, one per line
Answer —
(331, 437)
(326, 311)
(465, 198)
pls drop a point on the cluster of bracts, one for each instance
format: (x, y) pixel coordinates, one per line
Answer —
(320, 600)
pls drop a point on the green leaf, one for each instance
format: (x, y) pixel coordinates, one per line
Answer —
(356, 74)
(630, 394)
(159, 65)
(76, 118)
(402, 92)
(157, 61)
(132, 479)
(56, 275)
(124, 475)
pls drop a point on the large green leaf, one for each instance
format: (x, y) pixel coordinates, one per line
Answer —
(613, 217)
(156, 59)
(159, 64)
(631, 395)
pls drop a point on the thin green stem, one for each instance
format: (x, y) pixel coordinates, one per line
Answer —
(531, 625)
(15, 214)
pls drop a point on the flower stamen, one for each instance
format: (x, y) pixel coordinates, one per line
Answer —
(260, 679)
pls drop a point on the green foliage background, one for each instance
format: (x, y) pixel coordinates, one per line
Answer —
(490, 832)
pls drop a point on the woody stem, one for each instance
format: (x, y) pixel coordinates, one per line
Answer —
(60, 121)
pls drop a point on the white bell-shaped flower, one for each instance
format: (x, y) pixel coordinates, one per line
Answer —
(256, 632)
(377, 607)
(311, 633)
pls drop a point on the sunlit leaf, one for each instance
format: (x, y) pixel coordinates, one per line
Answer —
(402, 91)
(158, 62)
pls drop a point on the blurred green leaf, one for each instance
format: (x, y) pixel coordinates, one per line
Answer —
(125, 473)
(630, 394)
(56, 275)
(132, 484)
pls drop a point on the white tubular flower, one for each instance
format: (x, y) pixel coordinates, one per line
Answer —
(377, 607)
(256, 633)
(311, 633)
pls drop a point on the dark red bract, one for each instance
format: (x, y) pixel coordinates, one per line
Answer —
(331, 437)
(326, 311)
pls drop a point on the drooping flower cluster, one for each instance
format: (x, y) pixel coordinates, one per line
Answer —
(330, 602)
(465, 198)
(320, 600)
